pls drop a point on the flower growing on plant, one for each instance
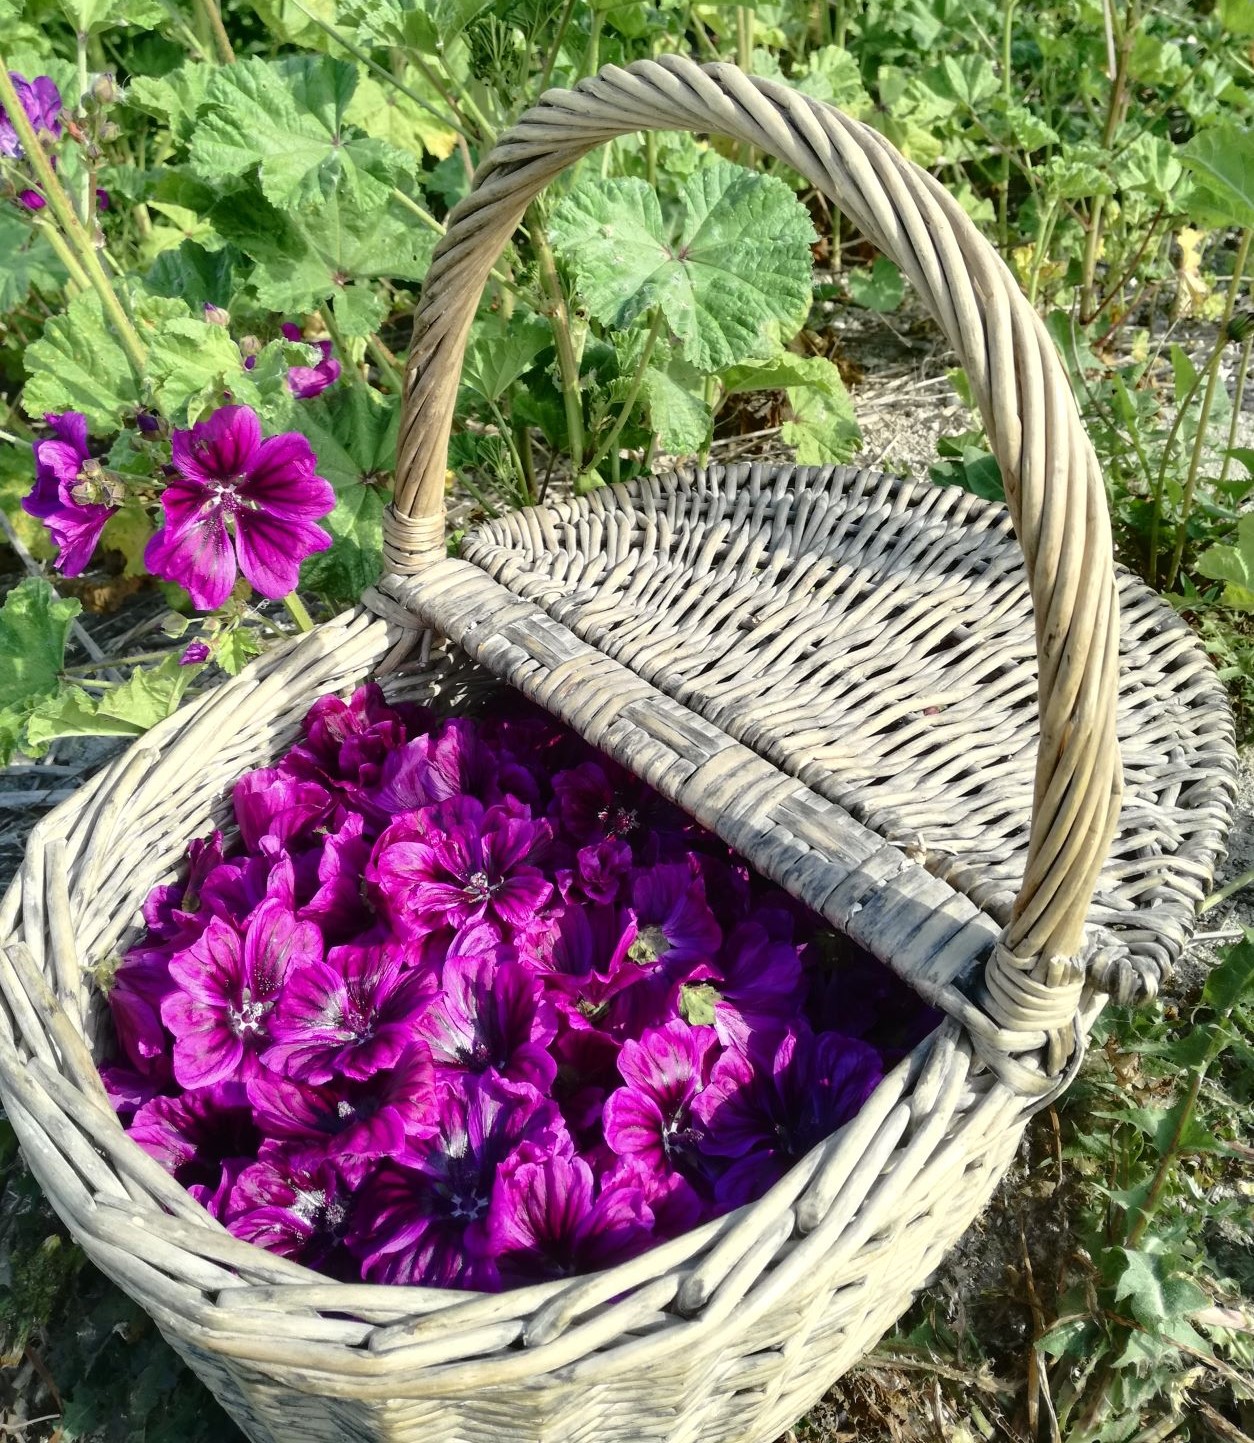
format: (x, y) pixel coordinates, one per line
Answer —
(41, 100)
(67, 489)
(307, 381)
(238, 502)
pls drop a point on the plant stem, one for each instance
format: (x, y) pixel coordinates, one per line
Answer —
(86, 197)
(1229, 889)
(610, 443)
(559, 318)
(1160, 481)
(352, 370)
(1003, 188)
(71, 227)
(550, 60)
(213, 20)
(522, 443)
(1167, 1159)
(388, 364)
(1208, 400)
(1042, 246)
(1116, 105)
(744, 37)
(296, 610)
(423, 214)
(1234, 421)
(65, 255)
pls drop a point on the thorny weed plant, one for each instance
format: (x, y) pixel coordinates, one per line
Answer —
(225, 169)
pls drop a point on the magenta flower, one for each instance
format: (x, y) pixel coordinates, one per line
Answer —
(140, 985)
(547, 1223)
(758, 985)
(675, 924)
(427, 1219)
(446, 763)
(270, 804)
(307, 381)
(348, 741)
(599, 872)
(75, 525)
(41, 100)
(652, 1116)
(583, 956)
(172, 911)
(354, 1121)
(237, 498)
(339, 906)
(766, 1111)
(594, 801)
(205, 1138)
(350, 1016)
(489, 1017)
(457, 862)
(194, 653)
(293, 1202)
(227, 990)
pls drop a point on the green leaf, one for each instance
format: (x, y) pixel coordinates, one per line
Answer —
(878, 289)
(78, 365)
(677, 408)
(500, 351)
(1232, 981)
(302, 264)
(967, 79)
(147, 696)
(697, 1001)
(236, 649)
(34, 627)
(831, 73)
(973, 469)
(128, 531)
(92, 16)
(174, 98)
(188, 357)
(1237, 16)
(1150, 164)
(194, 274)
(1222, 162)
(287, 119)
(737, 273)
(355, 558)
(823, 427)
(1233, 565)
(27, 261)
(385, 113)
(359, 311)
(17, 476)
(1161, 1300)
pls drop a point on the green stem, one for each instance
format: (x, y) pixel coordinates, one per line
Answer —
(351, 371)
(650, 158)
(296, 610)
(1167, 1160)
(1234, 421)
(1229, 889)
(1208, 401)
(554, 50)
(1003, 189)
(1160, 481)
(522, 443)
(421, 212)
(515, 456)
(389, 368)
(213, 20)
(609, 445)
(1042, 246)
(1116, 104)
(87, 196)
(1131, 269)
(559, 318)
(71, 227)
(744, 37)
(138, 658)
(65, 255)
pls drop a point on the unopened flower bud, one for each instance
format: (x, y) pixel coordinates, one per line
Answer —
(104, 89)
(216, 316)
(250, 345)
(109, 131)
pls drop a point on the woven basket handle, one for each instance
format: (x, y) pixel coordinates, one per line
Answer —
(1053, 485)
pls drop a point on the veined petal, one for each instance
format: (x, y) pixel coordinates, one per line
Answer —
(271, 550)
(220, 448)
(199, 557)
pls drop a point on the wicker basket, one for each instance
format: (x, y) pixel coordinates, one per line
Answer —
(835, 671)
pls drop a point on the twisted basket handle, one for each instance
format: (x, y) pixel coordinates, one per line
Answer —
(1054, 487)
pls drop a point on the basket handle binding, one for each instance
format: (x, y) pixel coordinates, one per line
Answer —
(1054, 487)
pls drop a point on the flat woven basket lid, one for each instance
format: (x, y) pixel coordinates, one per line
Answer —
(873, 637)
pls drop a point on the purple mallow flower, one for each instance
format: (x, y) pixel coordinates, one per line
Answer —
(62, 497)
(227, 988)
(349, 1016)
(458, 862)
(764, 1111)
(41, 100)
(429, 1218)
(292, 1202)
(238, 499)
(651, 1117)
(205, 1138)
(307, 381)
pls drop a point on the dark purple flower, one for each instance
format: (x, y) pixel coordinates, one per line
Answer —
(651, 1117)
(582, 954)
(306, 381)
(449, 762)
(428, 1218)
(599, 873)
(758, 985)
(194, 653)
(457, 862)
(675, 926)
(204, 1138)
(595, 800)
(339, 906)
(140, 985)
(227, 990)
(490, 1017)
(765, 1111)
(75, 525)
(294, 1202)
(547, 1222)
(173, 911)
(354, 1120)
(350, 1016)
(587, 1072)
(41, 100)
(238, 498)
(268, 803)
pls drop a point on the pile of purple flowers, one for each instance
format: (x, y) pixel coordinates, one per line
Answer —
(469, 1006)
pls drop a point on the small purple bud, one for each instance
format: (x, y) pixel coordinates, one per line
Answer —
(194, 654)
(216, 316)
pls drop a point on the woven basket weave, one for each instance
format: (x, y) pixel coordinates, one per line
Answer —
(861, 683)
